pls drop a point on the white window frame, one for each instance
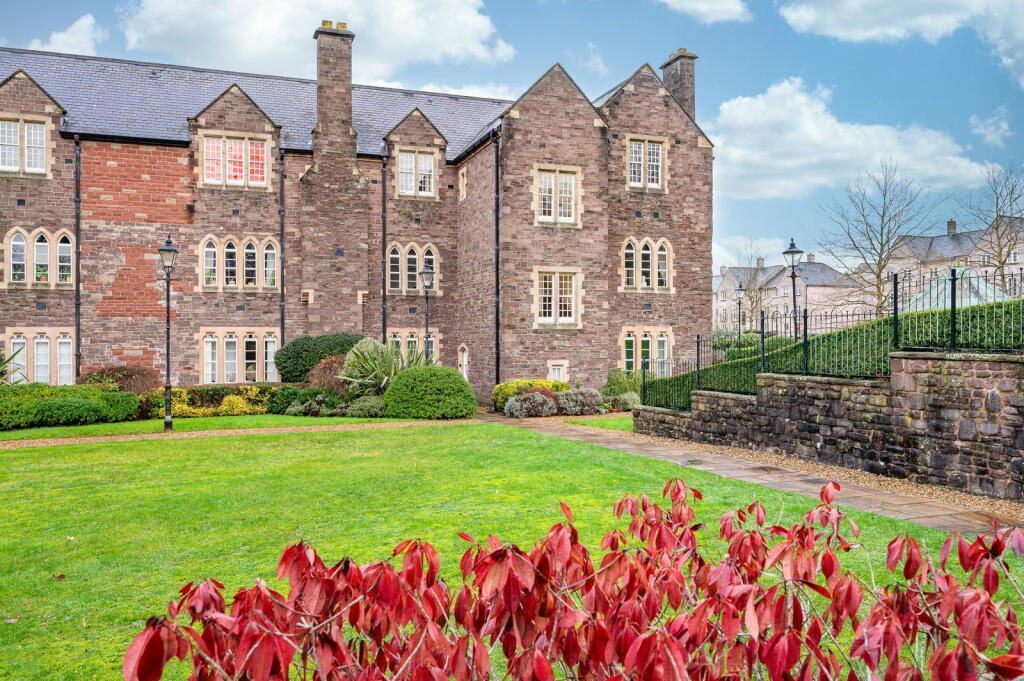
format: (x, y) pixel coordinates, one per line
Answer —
(645, 163)
(557, 291)
(210, 359)
(556, 196)
(23, 139)
(19, 363)
(40, 240)
(41, 359)
(10, 146)
(230, 341)
(250, 265)
(250, 368)
(65, 360)
(417, 173)
(270, 265)
(65, 259)
(269, 353)
(629, 265)
(19, 244)
(629, 351)
(395, 269)
(231, 280)
(253, 172)
(210, 268)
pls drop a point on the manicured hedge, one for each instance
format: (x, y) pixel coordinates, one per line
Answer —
(34, 404)
(430, 392)
(297, 357)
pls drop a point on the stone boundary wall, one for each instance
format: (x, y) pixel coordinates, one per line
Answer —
(951, 419)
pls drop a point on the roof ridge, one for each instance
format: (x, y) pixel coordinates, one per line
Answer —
(431, 92)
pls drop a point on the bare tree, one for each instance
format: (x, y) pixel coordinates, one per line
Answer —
(877, 213)
(752, 279)
(997, 207)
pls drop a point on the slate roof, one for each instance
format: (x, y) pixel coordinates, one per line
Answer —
(121, 98)
(942, 246)
(813, 274)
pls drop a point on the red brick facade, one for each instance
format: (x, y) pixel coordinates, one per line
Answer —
(344, 211)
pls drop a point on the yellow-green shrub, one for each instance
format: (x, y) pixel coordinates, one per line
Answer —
(236, 405)
(509, 389)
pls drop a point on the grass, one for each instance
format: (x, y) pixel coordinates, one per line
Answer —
(611, 423)
(95, 538)
(203, 423)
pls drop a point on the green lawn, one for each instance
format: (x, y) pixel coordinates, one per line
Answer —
(611, 423)
(94, 538)
(157, 425)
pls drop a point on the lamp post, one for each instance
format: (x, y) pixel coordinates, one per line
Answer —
(427, 279)
(739, 310)
(168, 254)
(793, 255)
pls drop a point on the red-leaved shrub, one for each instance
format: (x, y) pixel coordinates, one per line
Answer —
(130, 379)
(772, 603)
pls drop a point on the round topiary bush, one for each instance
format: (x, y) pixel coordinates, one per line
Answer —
(529, 405)
(367, 407)
(625, 402)
(430, 392)
(297, 357)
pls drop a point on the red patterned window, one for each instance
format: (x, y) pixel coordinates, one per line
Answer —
(213, 161)
(257, 163)
(235, 161)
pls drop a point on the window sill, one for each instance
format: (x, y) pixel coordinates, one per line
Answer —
(414, 293)
(417, 197)
(557, 326)
(562, 225)
(236, 187)
(646, 190)
(25, 174)
(660, 290)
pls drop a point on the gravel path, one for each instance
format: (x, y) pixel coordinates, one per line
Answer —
(190, 434)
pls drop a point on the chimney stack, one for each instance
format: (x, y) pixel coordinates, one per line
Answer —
(951, 228)
(678, 74)
(810, 257)
(721, 270)
(333, 130)
(760, 263)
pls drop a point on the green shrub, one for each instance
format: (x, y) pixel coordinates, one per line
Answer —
(282, 399)
(530, 405)
(121, 406)
(620, 381)
(579, 402)
(625, 401)
(297, 357)
(325, 396)
(430, 392)
(504, 391)
(371, 366)
(68, 411)
(367, 407)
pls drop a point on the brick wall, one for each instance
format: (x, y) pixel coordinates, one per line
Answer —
(955, 420)
(136, 183)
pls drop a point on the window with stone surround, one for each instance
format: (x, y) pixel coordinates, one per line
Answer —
(22, 146)
(653, 344)
(558, 370)
(644, 163)
(270, 265)
(39, 260)
(557, 297)
(557, 195)
(210, 263)
(416, 173)
(405, 261)
(237, 355)
(249, 265)
(462, 184)
(408, 341)
(646, 266)
(40, 355)
(219, 265)
(234, 161)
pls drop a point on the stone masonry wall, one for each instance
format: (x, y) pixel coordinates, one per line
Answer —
(955, 420)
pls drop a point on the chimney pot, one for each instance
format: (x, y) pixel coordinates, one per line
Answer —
(721, 270)
(326, 24)
(342, 26)
(810, 257)
(951, 227)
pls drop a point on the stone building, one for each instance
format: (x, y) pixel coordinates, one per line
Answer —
(569, 235)
(997, 246)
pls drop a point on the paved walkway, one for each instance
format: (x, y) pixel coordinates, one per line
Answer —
(930, 513)
(190, 434)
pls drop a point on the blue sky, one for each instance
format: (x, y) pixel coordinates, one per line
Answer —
(798, 95)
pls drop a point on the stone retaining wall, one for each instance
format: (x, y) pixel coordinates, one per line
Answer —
(946, 419)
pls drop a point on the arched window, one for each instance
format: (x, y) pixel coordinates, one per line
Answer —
(428, 259)
(41, 363)
(629, 267)
(210, 263)
(249, 264)
(269, 265)
(394, 269)
(629, 352)
(412, 270)
(230, 265)
(662, 266)
(41, 260)
(464, 362)
(210, 359)
(645, 265)
(18, 258)
(64, 261)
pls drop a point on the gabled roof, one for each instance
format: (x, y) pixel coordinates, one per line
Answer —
(940, 246)
(238, 88)
(131, 99)
(24, 74)
(425, 118)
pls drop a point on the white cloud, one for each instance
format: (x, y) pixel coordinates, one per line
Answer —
(591, 60)
(710, 11)
(492, 90)
(993, 130)
(733, 251)
(785, 143)
(270, 36)
(1000, 23)
(80, 37)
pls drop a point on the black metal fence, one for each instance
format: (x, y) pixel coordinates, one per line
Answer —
(959, 311)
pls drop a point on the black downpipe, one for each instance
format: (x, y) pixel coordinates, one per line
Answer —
(496, 140)
(384, 251)
(78, 257)
(281, 239)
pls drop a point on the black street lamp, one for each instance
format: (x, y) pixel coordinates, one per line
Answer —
(427, 279)
(739, 309)
(793, 255)
(168, 254)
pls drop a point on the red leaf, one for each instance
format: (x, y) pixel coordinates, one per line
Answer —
(541, 667)
(566, 511)
(1007, 666)
(466, 537)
